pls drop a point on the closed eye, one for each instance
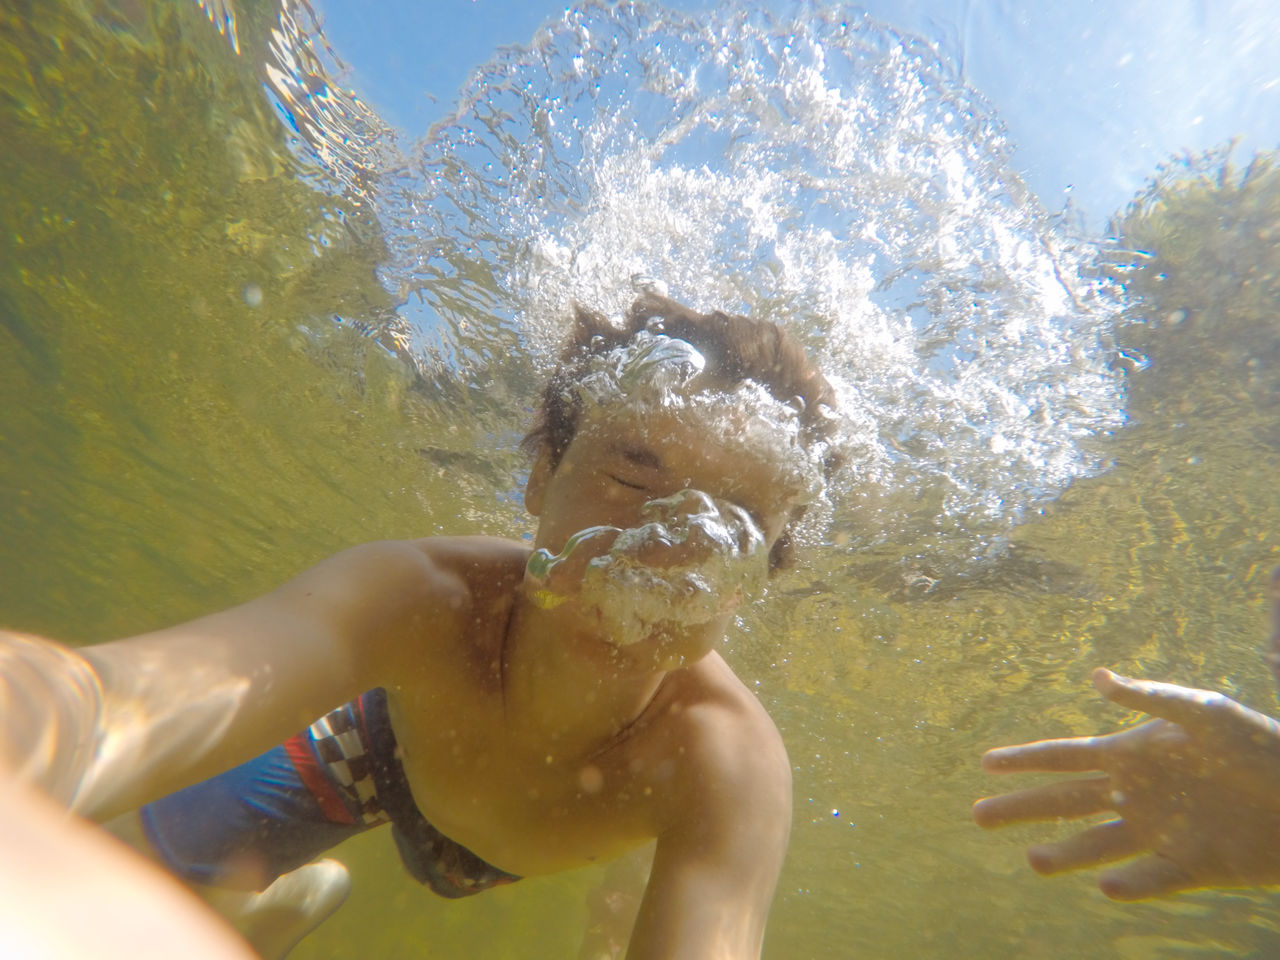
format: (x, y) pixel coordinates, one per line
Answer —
(625, 483)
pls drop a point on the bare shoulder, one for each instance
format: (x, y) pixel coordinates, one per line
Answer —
(476, 558)
(730, 745)
(430, 568)
(486, 572)
(389, 597)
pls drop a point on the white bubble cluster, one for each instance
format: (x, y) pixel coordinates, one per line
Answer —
(821, 171)
(692, 558)
(654, 370)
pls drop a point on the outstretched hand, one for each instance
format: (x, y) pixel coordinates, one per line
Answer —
(1196, 792)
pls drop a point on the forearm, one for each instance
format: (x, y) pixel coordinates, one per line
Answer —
(105, 729)
(50, 706)
(703, 919)
(67, 890)
(711, 887)
(185, 703)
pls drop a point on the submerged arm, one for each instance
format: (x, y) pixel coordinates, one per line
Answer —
(613, 904)
(113, 726)
(715, 871)
(1195, 791)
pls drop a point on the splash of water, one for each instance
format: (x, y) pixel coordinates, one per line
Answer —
(820, 170)
(338, 143)
(348, 143)
(341, 145)
(222, 14)
(653, 368)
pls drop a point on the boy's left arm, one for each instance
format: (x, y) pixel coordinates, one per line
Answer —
(716, 867)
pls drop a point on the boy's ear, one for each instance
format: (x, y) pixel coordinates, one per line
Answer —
(536, 485)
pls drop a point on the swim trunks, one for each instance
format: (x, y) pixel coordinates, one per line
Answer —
(337, 778)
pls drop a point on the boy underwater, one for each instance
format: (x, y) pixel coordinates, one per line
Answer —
(526, 712)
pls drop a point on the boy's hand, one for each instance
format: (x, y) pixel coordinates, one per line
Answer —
(1196, 791)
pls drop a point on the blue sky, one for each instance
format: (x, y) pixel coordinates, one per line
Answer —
(1095, 95)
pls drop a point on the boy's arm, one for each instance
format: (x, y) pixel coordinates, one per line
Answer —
(613, 904)
(1196, 791)
(125, 722)
(715, 870)
(69, 890)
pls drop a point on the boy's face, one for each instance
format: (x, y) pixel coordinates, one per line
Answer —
(679, 502)
(618, 461)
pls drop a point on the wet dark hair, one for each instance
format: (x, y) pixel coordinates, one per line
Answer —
(735, 347)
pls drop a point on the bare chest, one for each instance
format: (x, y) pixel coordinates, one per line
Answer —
(528, 810)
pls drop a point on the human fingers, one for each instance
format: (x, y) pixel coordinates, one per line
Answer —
(1149, 877)
(1104, 843)
(1070, 755)
(1187, 706)
(1068, 799)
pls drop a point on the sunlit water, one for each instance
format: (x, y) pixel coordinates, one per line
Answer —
(242, 331)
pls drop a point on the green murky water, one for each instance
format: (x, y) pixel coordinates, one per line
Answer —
(183, 424)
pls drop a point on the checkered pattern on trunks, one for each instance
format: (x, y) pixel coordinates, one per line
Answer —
(341, 748)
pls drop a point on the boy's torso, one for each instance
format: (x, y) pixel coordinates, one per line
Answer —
(518, 804)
